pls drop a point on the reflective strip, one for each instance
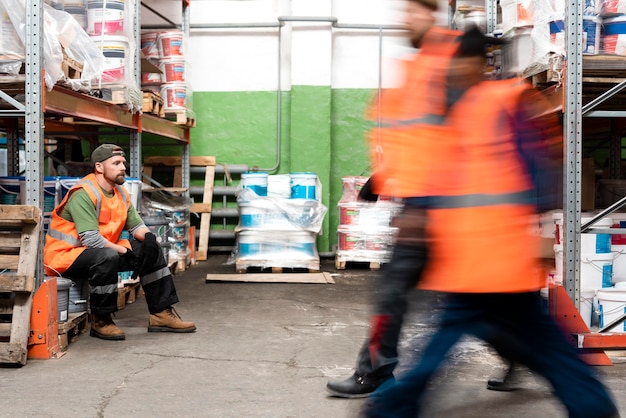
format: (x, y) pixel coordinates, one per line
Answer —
(104, 290)
(155, 276)
(96, 193)
(121, 192)
(436, 120)
(471, 200)
(73, 241)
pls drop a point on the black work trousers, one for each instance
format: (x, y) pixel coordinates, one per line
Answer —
(100, 266)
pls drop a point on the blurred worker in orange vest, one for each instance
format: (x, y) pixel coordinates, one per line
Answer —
(486, 206)
(401, 115)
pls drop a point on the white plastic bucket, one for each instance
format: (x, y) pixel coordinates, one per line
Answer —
(596, 271)
(149, 45)
(79, 296)
(173, 70)
(105, 17)
(114, 49)
(592, 26)
(159, 226)
(619, 263)
(589, 243)
(133, 186)
(78, 11)
(170, 44)
(614, 39)
(279, 185)
(248, 244)
(255, 181)
(303, 186)
(174, 96)
(611, 305)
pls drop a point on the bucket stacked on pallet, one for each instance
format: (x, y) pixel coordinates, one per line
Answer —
(364, 232)
(598, 257)
(278, 230)
(165, 50)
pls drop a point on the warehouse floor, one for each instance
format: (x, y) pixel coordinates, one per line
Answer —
(261, 350)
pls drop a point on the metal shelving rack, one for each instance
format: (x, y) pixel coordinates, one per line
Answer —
(64, 102)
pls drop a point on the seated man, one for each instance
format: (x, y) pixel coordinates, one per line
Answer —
(83, 242)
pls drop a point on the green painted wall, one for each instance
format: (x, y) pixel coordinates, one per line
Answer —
(322, 131)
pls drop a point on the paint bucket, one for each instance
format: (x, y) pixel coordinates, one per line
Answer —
(170, 44)
(557, 34)
(614, 39)
(303, 186)
(302, 244)
(179, 232)
(248, 244)
(173, 70)
(592, 26)
(133, 186)
(349, 214)
(78, 11)
(174, 96)
(279, 185)
(351, 187)
(63, 297)
(114, 49)
(596, 271)
(63, 185)
(149, 45)
(147, 78)
(255, 181)
(612, 304)
(10, 190)
(105, 17)
(614, 6)
(589, 243)
(78, 296)
(350, 240)
(159, 226)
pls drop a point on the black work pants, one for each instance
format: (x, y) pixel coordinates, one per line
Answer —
(100, 267)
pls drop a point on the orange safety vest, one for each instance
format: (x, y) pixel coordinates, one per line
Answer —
(63, 245)
(479, 227)
(410, 116)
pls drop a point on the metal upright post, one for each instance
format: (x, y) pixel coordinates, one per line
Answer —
(33, 120)
(135, 136)
(572, 113)
(185, 151)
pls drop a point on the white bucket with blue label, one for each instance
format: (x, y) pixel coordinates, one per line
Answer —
(249, 244)
(596, 271)
(304, 186)
(255, 181)
(591, 34)
(133, 186)
(612, 305)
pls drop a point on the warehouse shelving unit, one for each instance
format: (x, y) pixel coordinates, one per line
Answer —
(64, 110)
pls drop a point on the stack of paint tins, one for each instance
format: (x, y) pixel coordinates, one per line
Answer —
(279, 230)
(165, 50)
(364, 233)
(107, 28)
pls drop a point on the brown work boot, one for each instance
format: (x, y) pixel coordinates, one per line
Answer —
(102, 326)
(168, 320)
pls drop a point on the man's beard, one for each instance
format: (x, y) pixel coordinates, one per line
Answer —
(119, 180)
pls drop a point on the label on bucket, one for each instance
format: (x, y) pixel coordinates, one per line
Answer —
(174, 96)
(303, 186)
(607, 275)
(173, 71)
(171, 44)
(105, 17)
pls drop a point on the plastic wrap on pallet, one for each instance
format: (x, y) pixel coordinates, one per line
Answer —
(61, 33)
(153, 204)
(368, 245)
(351, 186)
(277, 214)
(290, 249)
(368, 214)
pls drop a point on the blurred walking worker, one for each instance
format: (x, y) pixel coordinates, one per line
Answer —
(84, 242)
(503, 141)
(404, 115)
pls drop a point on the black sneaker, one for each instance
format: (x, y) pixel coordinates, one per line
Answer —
(356, 386)
(508, 383)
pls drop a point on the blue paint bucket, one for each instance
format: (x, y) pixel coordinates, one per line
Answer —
(255, 181)
(304, 186)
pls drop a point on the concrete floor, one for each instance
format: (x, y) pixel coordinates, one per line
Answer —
(261, 350)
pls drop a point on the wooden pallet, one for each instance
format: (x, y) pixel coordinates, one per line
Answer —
(319, 277)
(72, 69)
(181, 117)
(343, 264)
(128, 294)
(250, 266)
(19, 242)
(153, 103)
(69, 331)
(204, 208)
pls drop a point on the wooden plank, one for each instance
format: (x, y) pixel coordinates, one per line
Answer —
(5, 328)
(205, 218)
(202, 207)
(24, 213)
(20, 329)
(9, 262)
(13, 353)
(323, 278)
(10, 240)
(16, 282)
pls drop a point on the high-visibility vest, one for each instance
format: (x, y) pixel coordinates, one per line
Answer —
(63, 245)
(410, 115)
(479, 227)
